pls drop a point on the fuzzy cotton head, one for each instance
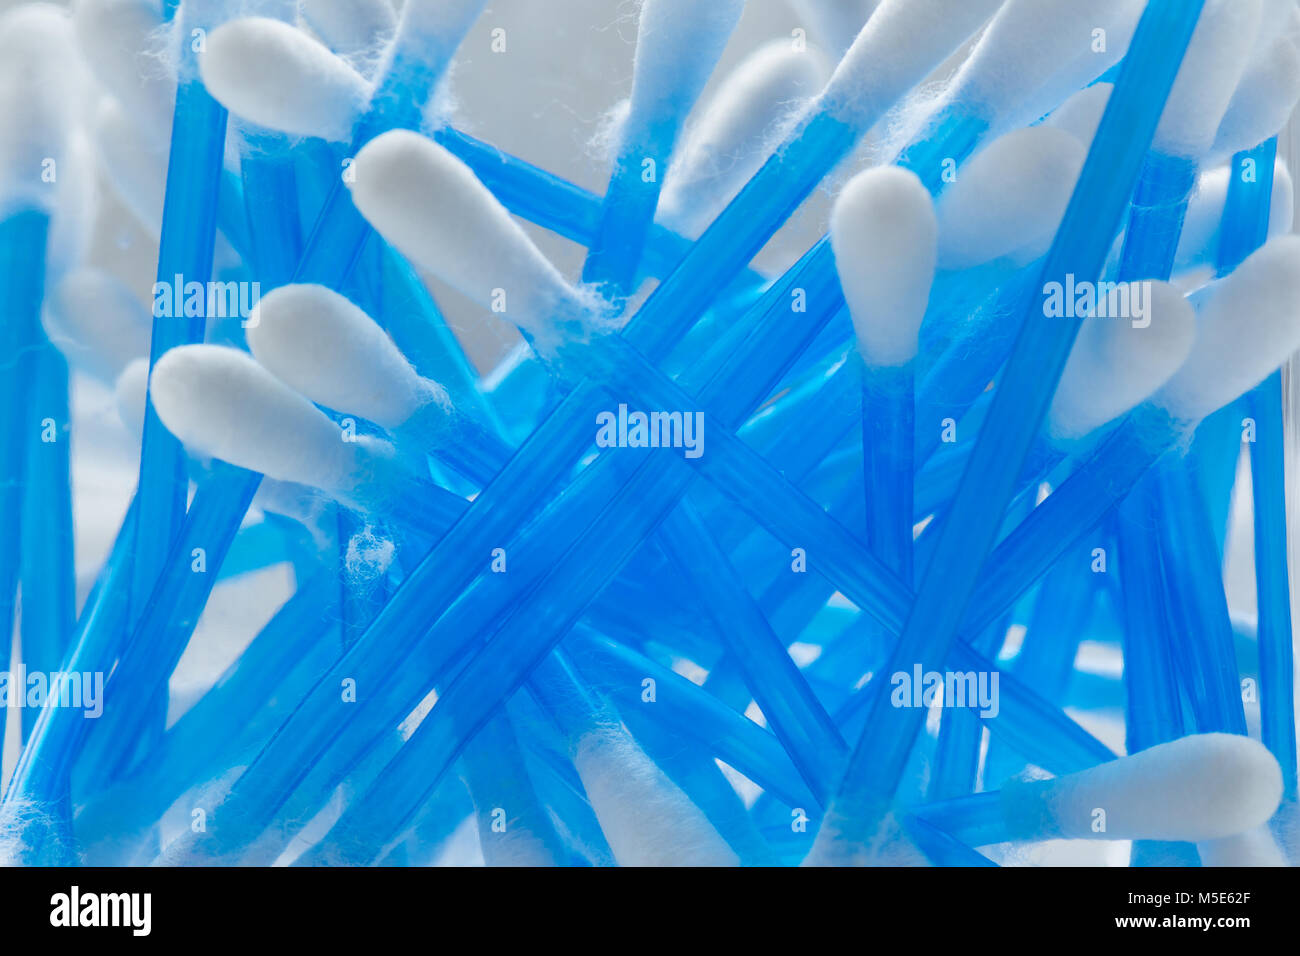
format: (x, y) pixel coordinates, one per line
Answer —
(1117, 363)
(328, 349)
(1009, 198)
(221, 403)
(884, 235)
(39, 76)
(755, 105)
(1248, 326)
(434, 209)
(276, 76)
(1201, 787)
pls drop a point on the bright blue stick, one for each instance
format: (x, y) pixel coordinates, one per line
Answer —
(887, 434)
(665, 85)
(41, 775)
(1245, 226)
(792, 710)
(1276, 676)
(940, 848)
(1090, 222)
(22, 289)
(184, 254)
(48, 572)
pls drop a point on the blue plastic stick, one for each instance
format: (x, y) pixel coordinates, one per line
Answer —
(1202, 639)
(22, 289)
(557, 204)
(48, 572)
(185, 250)
(792, 710)
(649, 135)
(1276, 677)
(940, 848)
(285, 658)
(1021, 400)
(1245, 226)
(41, 775)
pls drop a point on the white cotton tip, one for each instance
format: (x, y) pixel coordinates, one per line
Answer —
(1009, 198)
(351, 27)
(275, 75)
(1035, 53)
(1264, 99)
(39, 80)
(1198, 242)
(884, 235)
(1118, 362)
(677, 46)
(222, 404)
(327, 348)
(125, 43)
(834, 24)
(1213, 65)
(754, 107)
(130, 395)
(431, 206)
(646, 818)
(136, 168)
(1201, 787)
(95, 321)
(1253, 848)
(1080, 115)
(897, 48)
(1248, 326)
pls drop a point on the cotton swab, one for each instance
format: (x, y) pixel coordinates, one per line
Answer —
(720, 151)
(1199, 243)
(1201, 787)
(1246, 329)
(1054, 47)
(350, 365)
(524, 189)
(881, 598)
(1022, 396)
(1117, 363)
(216, 400)
(885, 236)
(678, 45)
(1008, 198)
(1216, 59)
(1265, 95)
(1031, 171)
(339, 93)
